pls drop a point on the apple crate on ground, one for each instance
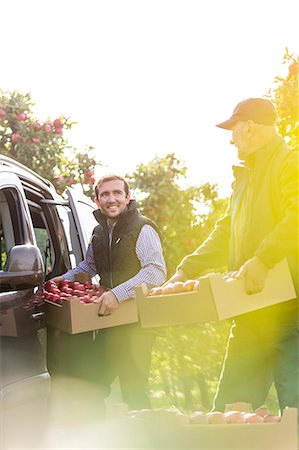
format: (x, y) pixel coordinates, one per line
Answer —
(168, 431)
(215, 299)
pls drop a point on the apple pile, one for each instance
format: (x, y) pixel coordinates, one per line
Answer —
(174, 288)
(175, 416)
(86, 292)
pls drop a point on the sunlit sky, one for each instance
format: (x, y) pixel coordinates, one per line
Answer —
(145, 78)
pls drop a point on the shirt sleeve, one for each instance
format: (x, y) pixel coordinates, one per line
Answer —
(153, 269)
(87, 266)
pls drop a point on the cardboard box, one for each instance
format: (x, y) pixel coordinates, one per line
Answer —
(75, 317)
(167, 433)
(215, 299)
(262, 436)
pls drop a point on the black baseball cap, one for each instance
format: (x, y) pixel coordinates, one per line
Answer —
(259, 110)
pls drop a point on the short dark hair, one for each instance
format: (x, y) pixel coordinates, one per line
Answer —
(111, 177)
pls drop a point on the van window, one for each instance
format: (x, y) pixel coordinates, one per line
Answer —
(3, 251)
(43, 237)
(48, 230)
(11, 221)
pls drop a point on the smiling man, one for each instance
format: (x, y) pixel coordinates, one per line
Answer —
(125, 251)
(259, 229)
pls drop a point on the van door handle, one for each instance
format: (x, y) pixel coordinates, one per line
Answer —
(38, 315)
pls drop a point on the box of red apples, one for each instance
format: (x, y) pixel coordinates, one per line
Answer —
(211, 297)
(70, 307)
(235, 429)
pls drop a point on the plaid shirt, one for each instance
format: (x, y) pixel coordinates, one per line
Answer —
(150, 254)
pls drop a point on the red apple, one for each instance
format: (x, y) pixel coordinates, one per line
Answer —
(88, 173)
(262, 411)
(57, 123)
(168, 289)
(81, 287)
(78, 293)
(50, 296)
(66, 290)
(271, 418)
(178, 286)
(2, 113)
(58, 131)
(15, 137)
(22, 116)
(86, 299)
(47, 128)
(155, 291)
(36, 140)
(37, 126)
(234, 417)
(216, 417)
(198, 417)
(252, 418)
(189, 285)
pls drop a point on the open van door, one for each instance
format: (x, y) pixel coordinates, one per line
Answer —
(82, 222)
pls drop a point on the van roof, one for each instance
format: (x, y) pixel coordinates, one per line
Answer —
(24, 171)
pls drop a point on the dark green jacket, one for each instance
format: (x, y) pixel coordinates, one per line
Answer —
(271, 231)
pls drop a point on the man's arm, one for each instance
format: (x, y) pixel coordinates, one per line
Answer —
(153, 269)
(283, 240)
(212, 253)
(87, 266)
(152, 272)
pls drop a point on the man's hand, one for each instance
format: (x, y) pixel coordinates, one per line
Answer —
(108, 303)
(58, 279)
(255, 273)
(178, 276)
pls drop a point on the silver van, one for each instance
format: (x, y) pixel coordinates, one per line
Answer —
(41, 235)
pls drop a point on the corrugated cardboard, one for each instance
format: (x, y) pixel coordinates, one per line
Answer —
(215, 299)
(75, 317)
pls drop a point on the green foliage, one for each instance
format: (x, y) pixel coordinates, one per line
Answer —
(175, 208)
(42, 146)
(285, 96)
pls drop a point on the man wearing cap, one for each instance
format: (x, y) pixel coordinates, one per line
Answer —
(259, 229)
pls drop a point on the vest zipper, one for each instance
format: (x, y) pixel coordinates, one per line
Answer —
(110, 255)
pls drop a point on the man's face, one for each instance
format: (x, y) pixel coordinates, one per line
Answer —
(241, 134)
(112, 199)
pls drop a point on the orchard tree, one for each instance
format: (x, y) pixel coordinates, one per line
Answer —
(42, 146)
(285, 95)
(174, 208)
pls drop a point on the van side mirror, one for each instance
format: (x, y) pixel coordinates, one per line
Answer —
(24, 267)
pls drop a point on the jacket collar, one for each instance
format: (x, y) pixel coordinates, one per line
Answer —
(262, 157)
